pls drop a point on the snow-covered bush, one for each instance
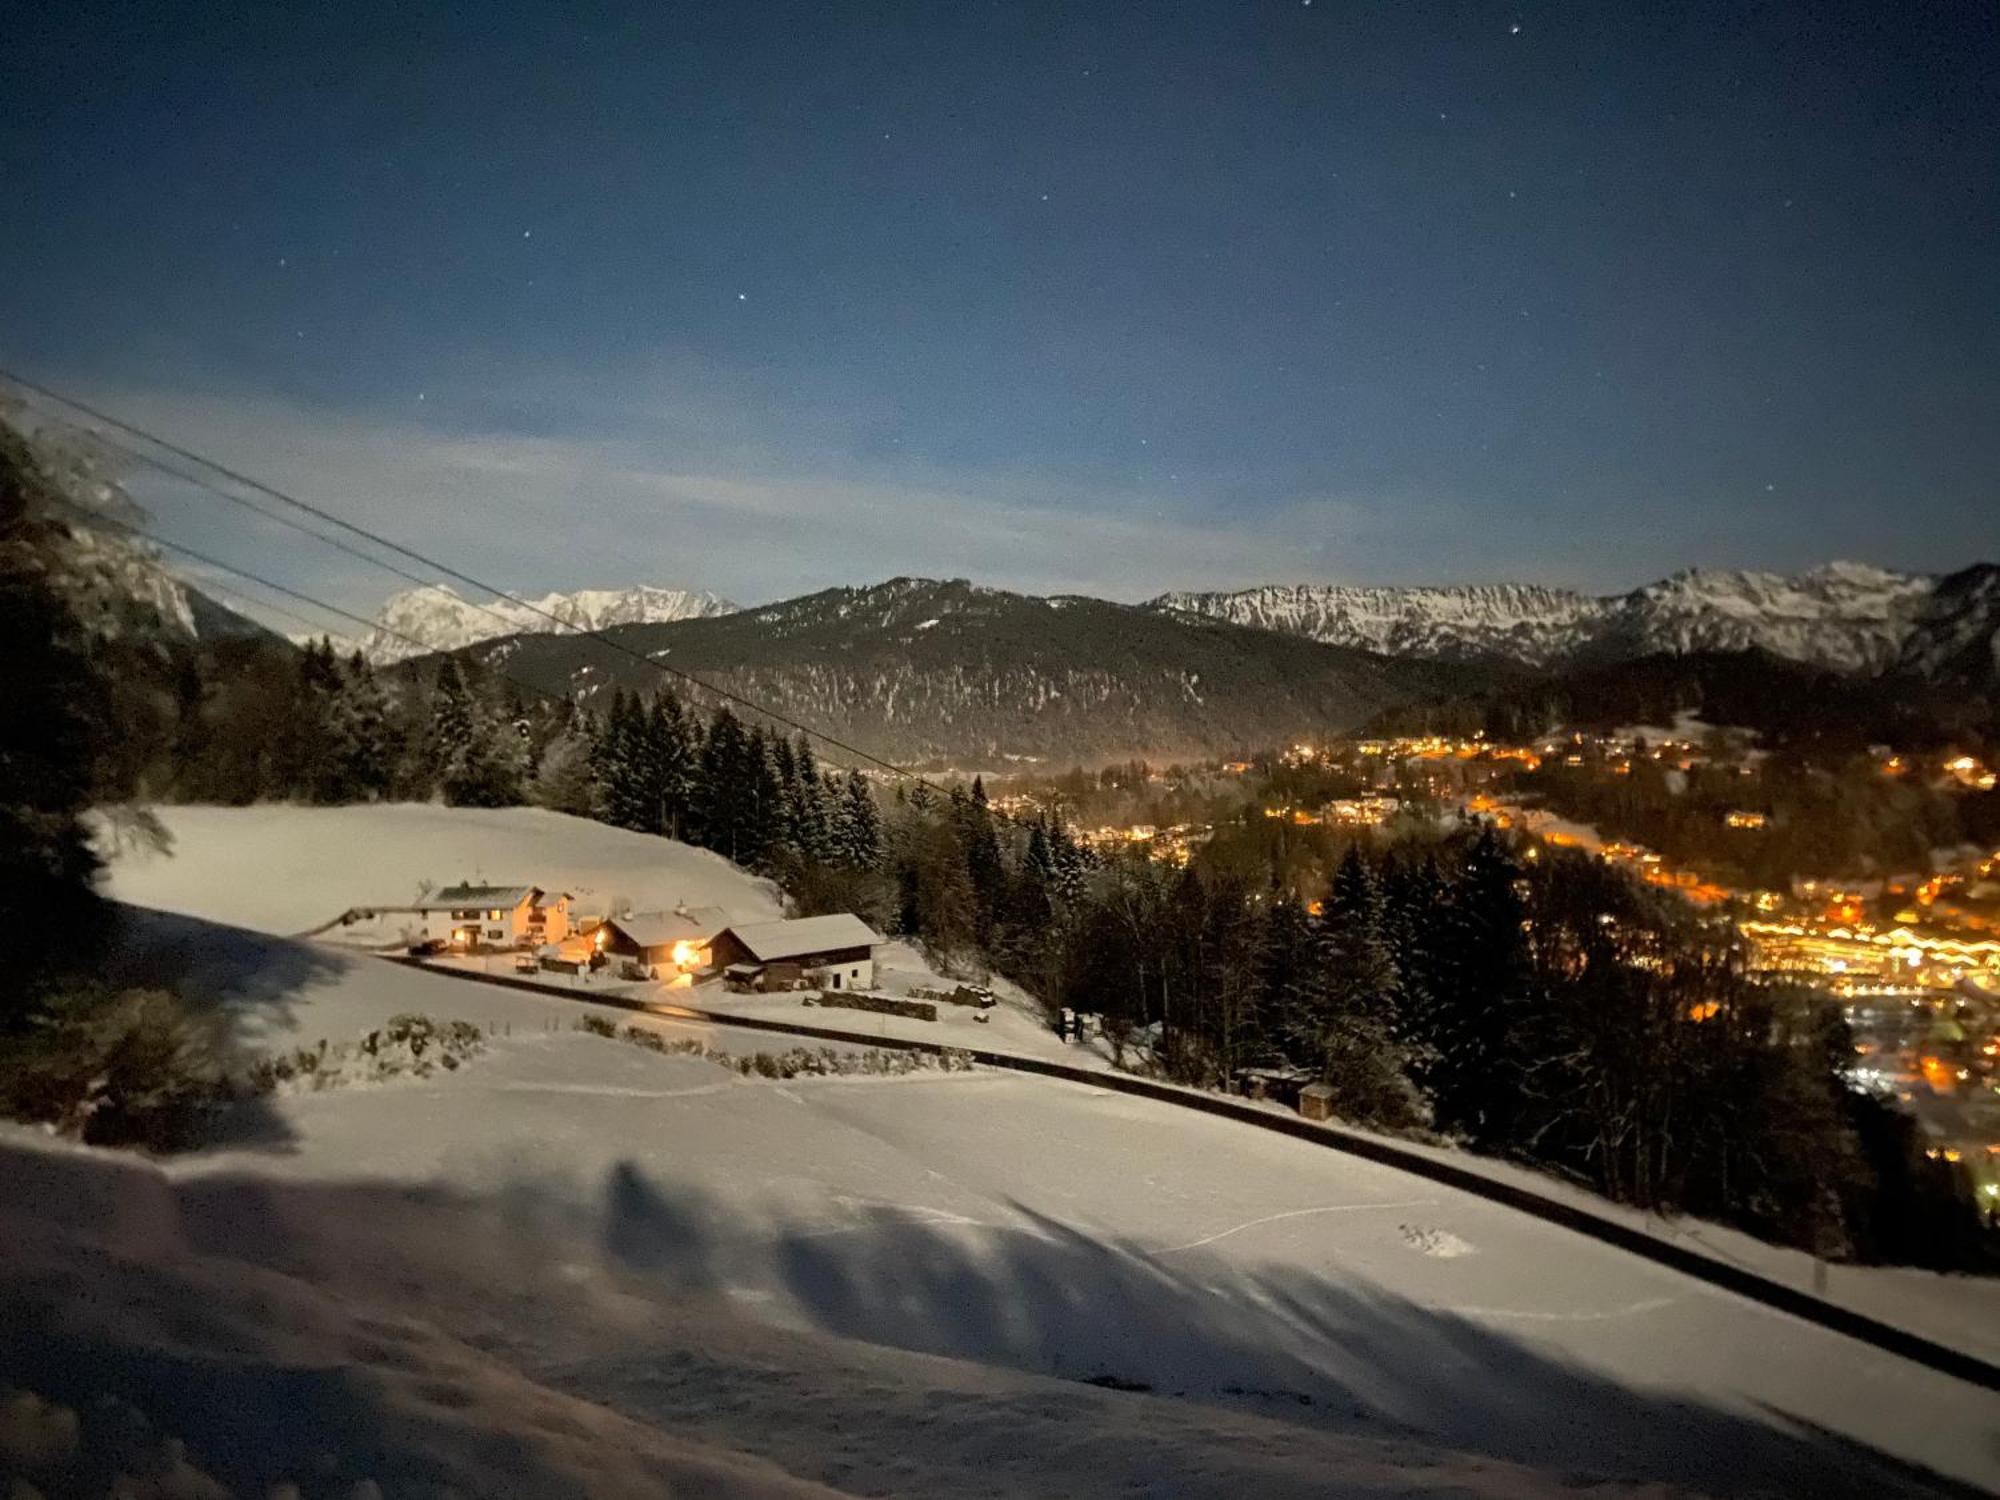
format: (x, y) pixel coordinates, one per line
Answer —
(411, 1045)
(796, 1062)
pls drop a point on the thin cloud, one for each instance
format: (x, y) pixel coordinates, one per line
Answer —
(540, 511)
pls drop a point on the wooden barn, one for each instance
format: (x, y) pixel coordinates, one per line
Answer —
(830, 953)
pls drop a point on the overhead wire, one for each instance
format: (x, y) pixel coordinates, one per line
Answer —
(140, 435)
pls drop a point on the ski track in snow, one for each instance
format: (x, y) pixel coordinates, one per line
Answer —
(1296, 1213)
(1533, 1315)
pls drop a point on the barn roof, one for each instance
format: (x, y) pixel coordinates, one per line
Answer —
(658, 929)
(801, 937)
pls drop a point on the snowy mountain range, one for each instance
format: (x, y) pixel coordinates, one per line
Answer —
(438, 618)
(1849, 617)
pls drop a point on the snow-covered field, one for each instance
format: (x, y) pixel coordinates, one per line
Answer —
(857, 1285)
(286, 869)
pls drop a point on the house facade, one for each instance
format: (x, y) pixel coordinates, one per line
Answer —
(830, 953)
(469, 917)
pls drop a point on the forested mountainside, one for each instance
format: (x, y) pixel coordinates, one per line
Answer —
(926, 670)
(1786, 702)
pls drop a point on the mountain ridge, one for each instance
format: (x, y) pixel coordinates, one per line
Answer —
(932, 670)
(436, 617)
(1850, 617)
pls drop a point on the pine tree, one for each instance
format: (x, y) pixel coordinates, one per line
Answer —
(449, 739)
(475, 760)
(788, 827)
(671, 746)
(566, 780)
(1414, 899)
(51, 730)
(973, 820)
(359, 760)
(1483, 976)
(619, 765)
(723, 788)
(1342, 1005)
(810, 812)
(1279, 960)
(860, 837)
(304, 766)
(1070, 862)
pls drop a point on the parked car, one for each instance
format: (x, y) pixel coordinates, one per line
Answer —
(427, 947)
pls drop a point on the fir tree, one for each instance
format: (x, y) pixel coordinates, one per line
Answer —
(472, 762)
(566, 779)
(1342, 1003)
(671, 755)
(859, 845)
(1483, 978)
(724, 788)
(359, 759)
(620, 765)
(305, 765)
(809, 812)
(51, 729)
(983, 868)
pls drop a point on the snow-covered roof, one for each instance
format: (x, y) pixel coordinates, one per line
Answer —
(505, 896)
(799, 936)
(658, 929)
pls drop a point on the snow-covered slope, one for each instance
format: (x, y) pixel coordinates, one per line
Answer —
(278, 868)
(1846, 616)
(891, 1286)
(905, 1286)
(441, 619)
(1956, 640)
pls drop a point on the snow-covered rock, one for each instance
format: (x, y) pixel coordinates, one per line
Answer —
(1523, 622)
(119, 584)
(1956, 640)
(1847, 616)
(438, 618)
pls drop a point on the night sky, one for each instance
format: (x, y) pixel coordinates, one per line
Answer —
(1109, 297)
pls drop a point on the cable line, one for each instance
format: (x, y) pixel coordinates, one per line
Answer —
(143, 435)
